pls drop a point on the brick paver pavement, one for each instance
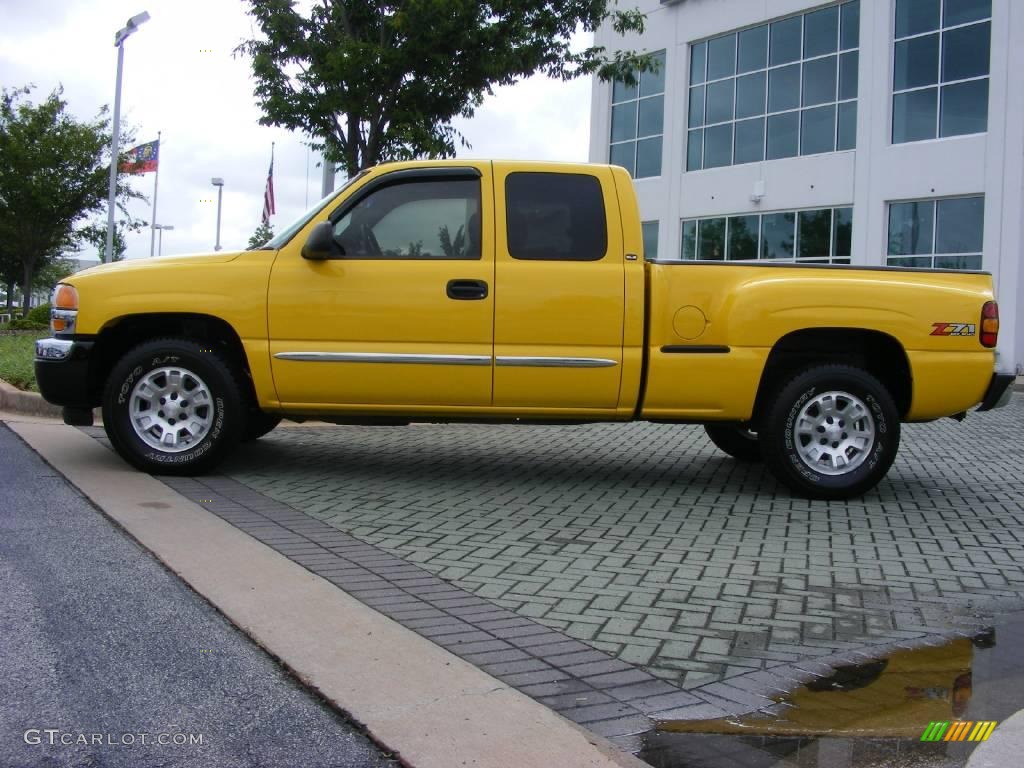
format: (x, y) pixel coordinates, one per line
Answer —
(644, 542)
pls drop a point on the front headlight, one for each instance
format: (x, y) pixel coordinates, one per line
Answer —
(63, 309)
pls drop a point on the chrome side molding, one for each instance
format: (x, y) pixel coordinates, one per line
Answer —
(382, 357)
(554, 362)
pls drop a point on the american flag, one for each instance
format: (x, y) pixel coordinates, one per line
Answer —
(268, 193)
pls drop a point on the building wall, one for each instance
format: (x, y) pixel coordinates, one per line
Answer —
(869, 177)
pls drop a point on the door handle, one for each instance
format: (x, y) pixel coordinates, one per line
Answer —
(467, 290)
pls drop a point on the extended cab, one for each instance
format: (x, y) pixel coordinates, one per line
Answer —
(508, 291)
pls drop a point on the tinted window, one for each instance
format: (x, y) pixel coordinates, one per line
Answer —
(437, 219)
(555, 216)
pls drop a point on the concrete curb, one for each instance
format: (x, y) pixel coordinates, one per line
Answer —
(29, 403)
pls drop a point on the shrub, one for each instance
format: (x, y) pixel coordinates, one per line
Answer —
(40, 314)
(26, 325)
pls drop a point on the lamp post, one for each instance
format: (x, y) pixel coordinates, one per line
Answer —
(133, 24)
(160, 239)
(219, 184)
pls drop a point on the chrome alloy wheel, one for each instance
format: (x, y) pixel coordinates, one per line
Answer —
(171, 409)
(834, 433)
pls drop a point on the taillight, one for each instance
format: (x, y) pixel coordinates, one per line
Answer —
(990, 324)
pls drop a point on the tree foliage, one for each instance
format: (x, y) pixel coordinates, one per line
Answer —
(54, 173)
(264, 234)
(373, 81)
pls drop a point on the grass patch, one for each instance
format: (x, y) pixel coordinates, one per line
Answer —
(17, 351)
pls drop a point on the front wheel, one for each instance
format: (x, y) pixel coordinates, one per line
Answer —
(735, 440)
(172, 407)
(831, 433)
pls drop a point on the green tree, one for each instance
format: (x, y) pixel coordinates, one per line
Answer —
(54, 172)
(264, 234)
(372, 81)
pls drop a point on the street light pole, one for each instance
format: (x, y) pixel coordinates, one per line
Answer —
(115, 142)
(219, 184)
(160, 239)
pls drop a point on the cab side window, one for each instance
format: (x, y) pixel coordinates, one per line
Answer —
(555, 217)
(430, 219)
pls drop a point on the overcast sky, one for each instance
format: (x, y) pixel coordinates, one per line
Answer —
(180, 78)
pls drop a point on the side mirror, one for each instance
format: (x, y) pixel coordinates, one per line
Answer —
(320, 244)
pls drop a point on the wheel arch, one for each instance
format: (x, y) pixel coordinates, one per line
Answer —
(876, 352)
(122, 334)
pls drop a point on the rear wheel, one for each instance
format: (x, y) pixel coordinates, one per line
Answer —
(172, 407)
(832, 432)
(736, 440)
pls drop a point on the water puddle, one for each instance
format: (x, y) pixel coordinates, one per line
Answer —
(866, 716)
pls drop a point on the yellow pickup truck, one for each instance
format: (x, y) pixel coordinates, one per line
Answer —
(515, 291)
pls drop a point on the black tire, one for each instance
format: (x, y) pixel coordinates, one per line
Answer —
(783, 443)
(219, 411)
(735, 440)
(258, 424)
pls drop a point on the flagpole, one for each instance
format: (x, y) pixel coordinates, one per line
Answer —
(156, 182)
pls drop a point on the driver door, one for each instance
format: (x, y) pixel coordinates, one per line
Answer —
(405, 317)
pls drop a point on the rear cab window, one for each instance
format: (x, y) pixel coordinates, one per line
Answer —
(555, 217)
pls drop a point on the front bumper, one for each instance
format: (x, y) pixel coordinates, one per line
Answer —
(999, 391)
(62, 372)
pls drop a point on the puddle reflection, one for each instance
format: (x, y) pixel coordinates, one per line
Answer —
(868, 715)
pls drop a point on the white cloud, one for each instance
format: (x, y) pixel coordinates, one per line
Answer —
(181, 78)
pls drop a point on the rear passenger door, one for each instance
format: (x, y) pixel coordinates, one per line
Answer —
(559, 289)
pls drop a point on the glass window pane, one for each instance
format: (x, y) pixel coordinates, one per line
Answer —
(720, 99)
(698, 63)
(652, 111)
(555, 217)
(842, 232)
(722, 57)
(964, 108)
(718, 146)
(917, 262)
(962, 11)
(965, 52)
(917, 63)
(818, 133)
(850, 34)
(648, 158)
(777, 233)
(624, 155)
(711, 234)
(820, 81)
(916, 16)
(750, 91)
(624, 121)
(654, 82)
(694, 150)
(743, 234)
(814, 233)
(622, 92)
(914, 116)
(847, 126)
(960, 227)
(821, 32)
(749, 141)
(849, 64)
(696, 114)
(785, 41)
(753, 49)
(784, 88)
(783, 133)
(958, 262)
(910, 228)
(688, 245)
(649, 230)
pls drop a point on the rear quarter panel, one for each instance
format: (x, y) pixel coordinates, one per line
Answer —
(750, 308)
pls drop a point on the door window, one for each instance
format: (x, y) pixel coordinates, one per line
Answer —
(414, 220)
(555, 217)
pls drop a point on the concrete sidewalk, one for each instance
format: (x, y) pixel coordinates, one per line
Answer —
(423, 702)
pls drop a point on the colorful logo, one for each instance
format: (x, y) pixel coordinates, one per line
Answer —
(966, 730)
(953, 329)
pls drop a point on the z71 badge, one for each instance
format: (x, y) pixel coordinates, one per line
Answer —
(953, 329)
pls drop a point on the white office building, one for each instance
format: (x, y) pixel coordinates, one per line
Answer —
(874, 132)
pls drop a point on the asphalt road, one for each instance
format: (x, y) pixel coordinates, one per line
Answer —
(107, 659)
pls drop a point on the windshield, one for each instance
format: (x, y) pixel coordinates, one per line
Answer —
(281, 238)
